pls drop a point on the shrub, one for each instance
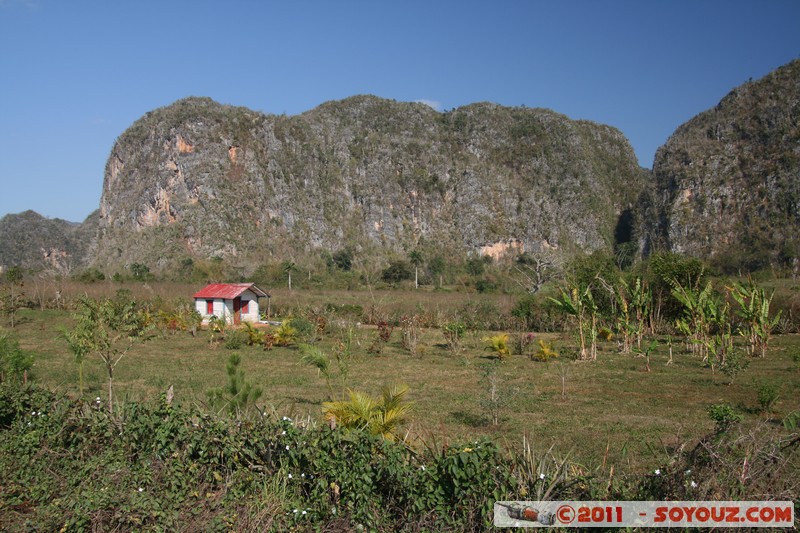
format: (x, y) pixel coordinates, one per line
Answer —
(767, 396)
(397, 271)
(453, 333)
(285, 335)
(522, 341)
(382, 338)
(538, 313)
(410, 329)
(499, 345)
(724, 416)
(305, 330)
(15, 364)
(254, 336)
(545, 352)
(235, 339)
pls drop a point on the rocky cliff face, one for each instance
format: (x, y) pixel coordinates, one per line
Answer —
(200, 179)
(728, 181)
(32, 241)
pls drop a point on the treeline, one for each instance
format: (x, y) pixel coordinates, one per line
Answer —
(534, 280)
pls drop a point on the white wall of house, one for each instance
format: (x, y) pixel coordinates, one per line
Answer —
(224, 308)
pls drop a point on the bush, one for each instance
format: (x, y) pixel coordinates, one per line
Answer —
(767, 396)
(305, 329)
(537, 313)
(90, 275)
(235, 339)
(453, 332)
(397, 271)
(15, 364)
(723, 416)
(499, 345)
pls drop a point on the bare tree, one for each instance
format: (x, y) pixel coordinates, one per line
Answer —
(536, 269)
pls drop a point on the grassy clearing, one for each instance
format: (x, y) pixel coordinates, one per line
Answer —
(608, 412)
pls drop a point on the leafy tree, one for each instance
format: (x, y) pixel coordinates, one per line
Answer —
(436, 266)
(396, 272)
(140, 272)
(108, 328)
(343, 259)
(475, 266)
(660, 271)
(599, 274)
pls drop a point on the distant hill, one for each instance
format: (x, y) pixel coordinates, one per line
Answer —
(728, 181)
(32, 241)
(201, 179)
(198, 180)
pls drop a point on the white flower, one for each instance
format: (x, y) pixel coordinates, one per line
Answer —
(541, 476)
(283, 432)
(694, 485)
(141, 489)
(688, 472)
(302, 475)
(422, 468)
(304, 512)
(295, 511)
(658, 471)
(287, 446)
(290, 476)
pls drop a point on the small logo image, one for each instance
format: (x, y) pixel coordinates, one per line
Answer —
(522, 513)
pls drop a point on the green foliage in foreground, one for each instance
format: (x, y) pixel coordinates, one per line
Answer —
(154, 466)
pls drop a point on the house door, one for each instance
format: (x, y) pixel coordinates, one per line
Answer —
(237, 311)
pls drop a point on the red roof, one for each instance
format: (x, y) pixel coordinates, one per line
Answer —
(228, 291)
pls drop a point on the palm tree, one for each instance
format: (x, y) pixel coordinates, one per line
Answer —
(416, 259)
(289, 267)
(363, 412)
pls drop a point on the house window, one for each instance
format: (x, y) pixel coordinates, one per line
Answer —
(209, 307)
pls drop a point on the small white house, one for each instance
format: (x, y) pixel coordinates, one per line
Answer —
(232, 302)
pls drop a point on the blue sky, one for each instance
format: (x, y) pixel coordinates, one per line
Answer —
(75, 74)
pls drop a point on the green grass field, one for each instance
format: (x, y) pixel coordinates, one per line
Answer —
(608, 412)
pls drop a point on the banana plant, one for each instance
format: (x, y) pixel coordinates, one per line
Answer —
(635, 302)
(579, 303)
(753, 309)
(700, 310)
